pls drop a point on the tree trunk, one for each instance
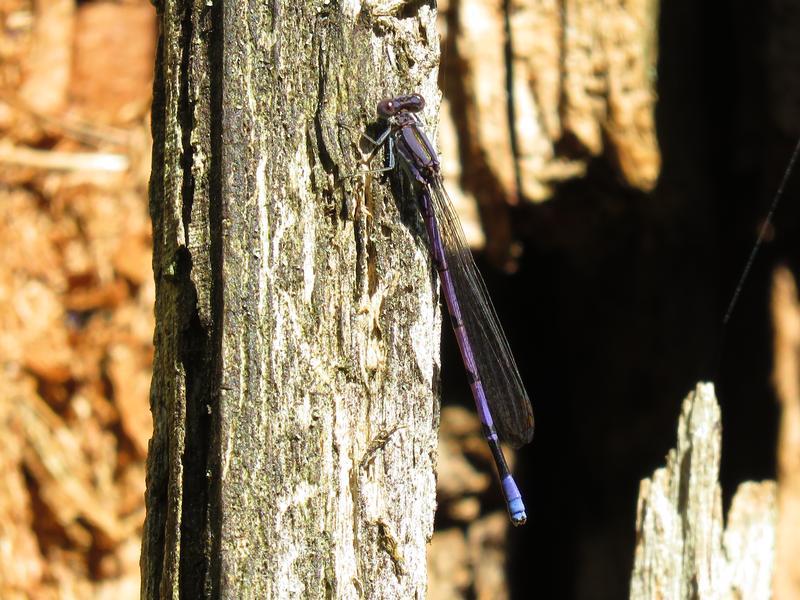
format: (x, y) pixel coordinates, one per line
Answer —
(295, 378)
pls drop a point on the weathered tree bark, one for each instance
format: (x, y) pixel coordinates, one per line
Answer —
(296, 367)
(683, 549)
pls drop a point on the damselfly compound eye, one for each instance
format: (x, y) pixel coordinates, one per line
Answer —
(386, 108)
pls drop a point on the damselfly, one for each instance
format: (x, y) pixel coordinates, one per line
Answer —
(500, 398)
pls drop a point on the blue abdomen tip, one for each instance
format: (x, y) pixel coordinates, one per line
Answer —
(516, 508)
(517, 511)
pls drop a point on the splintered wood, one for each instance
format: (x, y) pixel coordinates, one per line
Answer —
(683, 549)
(544, 86)
(786, 378)
(76, 289)
(536, 90)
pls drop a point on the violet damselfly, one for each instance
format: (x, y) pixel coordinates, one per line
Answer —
(502, 404)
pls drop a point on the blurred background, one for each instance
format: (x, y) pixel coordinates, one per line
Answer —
(613, 163)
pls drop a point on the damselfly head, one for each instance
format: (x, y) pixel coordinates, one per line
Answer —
(391, 106)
